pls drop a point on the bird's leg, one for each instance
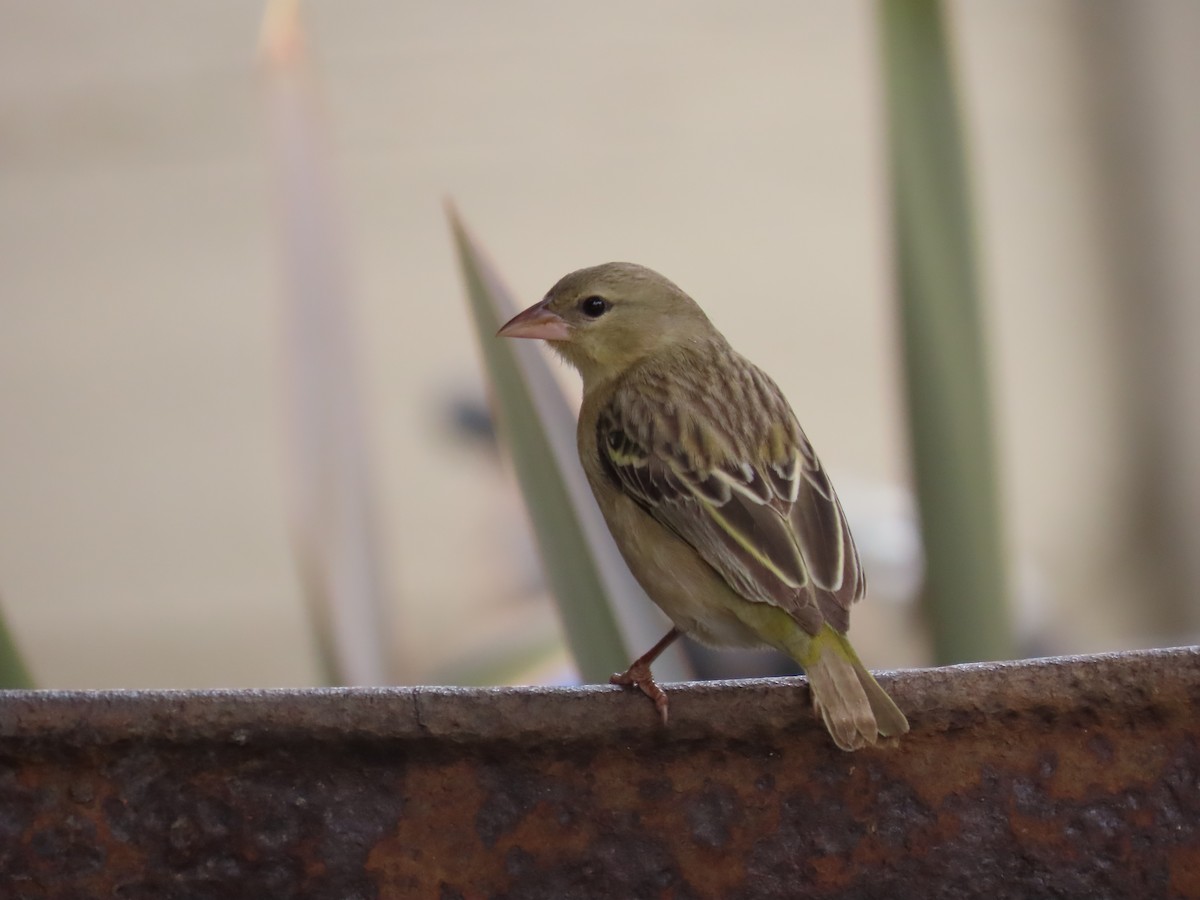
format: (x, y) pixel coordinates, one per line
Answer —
(638, 675)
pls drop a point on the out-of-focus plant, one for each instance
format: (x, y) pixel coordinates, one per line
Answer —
(607, 618)
(13, 672)
(333, 522)
(945, 362)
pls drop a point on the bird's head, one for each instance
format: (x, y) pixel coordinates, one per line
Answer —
(605, 318)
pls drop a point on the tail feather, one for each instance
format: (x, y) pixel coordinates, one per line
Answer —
(890, 721)
(839, 699)
(854, 708)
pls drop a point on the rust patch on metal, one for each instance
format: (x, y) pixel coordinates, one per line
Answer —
(1068, 778)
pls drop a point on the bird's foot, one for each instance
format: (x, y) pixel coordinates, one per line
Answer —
(639, 676)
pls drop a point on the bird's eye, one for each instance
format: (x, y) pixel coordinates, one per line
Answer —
(593, 307)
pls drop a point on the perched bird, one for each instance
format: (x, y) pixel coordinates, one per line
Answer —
(710, 488)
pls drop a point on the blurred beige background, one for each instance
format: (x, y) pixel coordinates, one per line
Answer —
(143, 489)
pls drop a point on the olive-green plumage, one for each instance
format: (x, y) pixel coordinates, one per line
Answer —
(710, 488)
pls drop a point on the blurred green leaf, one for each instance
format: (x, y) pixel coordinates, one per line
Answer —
(13, 673)
(607, 617)
(945, 362)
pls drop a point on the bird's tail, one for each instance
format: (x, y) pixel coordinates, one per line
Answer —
(849, 700)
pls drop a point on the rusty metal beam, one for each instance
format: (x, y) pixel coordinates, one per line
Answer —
(1075, 777)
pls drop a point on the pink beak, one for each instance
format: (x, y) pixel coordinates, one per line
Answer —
(537, 322)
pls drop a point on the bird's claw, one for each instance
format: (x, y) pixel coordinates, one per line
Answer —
(639, 676)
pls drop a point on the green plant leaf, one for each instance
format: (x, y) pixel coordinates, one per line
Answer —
(607, 617)
(945, 362)
(13, 672)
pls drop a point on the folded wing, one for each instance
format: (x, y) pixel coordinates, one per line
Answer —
(727, 468)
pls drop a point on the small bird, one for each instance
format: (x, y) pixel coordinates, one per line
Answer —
(710, 488)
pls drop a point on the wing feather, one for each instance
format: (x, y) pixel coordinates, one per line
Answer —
(736, 478)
